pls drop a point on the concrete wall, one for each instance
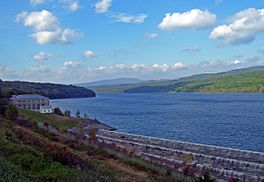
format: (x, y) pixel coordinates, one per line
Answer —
(222, 162)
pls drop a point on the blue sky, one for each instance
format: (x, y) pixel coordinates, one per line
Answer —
(72, 41)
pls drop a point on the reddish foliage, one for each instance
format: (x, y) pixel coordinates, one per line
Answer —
(59, 152)
(232, 179)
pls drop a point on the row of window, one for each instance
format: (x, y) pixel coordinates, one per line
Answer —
(33, 100)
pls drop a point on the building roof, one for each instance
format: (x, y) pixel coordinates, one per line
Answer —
(28, 96)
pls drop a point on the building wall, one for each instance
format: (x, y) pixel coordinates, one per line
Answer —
(30, 104)
(45, 111)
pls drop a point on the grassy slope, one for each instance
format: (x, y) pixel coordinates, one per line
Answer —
(31, 154)
(19, 161)
(52, 119)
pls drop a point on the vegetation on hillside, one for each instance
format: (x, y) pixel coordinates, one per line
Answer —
(52, 119)
(244, 82)
(231, 82)
(53, 91)
(28, 153)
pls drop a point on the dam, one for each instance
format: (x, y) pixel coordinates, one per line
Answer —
(222, 163)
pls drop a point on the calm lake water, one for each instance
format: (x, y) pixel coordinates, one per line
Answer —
(228, 120)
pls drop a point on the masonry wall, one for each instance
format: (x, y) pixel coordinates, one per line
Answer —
(222, 162)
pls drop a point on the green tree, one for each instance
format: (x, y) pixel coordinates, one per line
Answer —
(3, 104)
(85, 116)
(67, 113)
(11, 112)
(57, 111)
(78, 114)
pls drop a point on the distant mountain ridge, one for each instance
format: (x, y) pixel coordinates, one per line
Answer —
(178, 84)
(117, 81)
(53, 91)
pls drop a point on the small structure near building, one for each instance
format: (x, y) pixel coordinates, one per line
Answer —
(46, 109)
(33, 102)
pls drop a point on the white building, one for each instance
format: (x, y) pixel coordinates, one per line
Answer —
(31, 102)
(46, 109)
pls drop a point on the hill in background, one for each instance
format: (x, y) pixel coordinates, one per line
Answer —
(53, 91)
(109, 82)
(240, 80)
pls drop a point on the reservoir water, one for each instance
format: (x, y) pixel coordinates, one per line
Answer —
(228, 120)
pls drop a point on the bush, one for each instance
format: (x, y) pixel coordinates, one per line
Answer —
(58, 111)
(11, 112)
(3, 104)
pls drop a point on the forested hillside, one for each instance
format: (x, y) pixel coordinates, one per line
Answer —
(53, 91)
(242, 80)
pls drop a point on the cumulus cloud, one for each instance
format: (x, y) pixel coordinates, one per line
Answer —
(71, 5)
(151, 35)
(194, 19)
(243, 29)
(37, 2)
(178, 66)
(127, 18)
(59, 36)
(46, 28)
(39, 20)
(163, 67)
(88, 54)
(103, 6)
(41, 56)
(235, 62)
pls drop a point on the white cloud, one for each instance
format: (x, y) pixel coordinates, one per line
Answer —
(46, 28)
(103, 6)
(88, 54)
(195, 19)
(243, 29)
(74, 71)
(59, 36)
(41, 56)
(235, 62)
(71, 5)
(39, 20)
(69, 64)
(178, 66)
(191, 49)
(74, 6)
(163, 67)
(151, 35)
(127, 18)
(37, 2)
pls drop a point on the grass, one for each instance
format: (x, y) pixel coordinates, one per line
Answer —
(52, 119)
(21, 162)
(31, 154)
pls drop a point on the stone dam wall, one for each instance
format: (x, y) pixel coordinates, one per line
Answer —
(223, 163)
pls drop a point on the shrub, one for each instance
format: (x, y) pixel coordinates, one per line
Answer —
(11, 112)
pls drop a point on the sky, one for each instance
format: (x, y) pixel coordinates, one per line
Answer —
(76, 41)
